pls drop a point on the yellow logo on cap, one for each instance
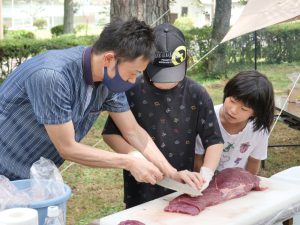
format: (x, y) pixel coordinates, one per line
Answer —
(179, 55)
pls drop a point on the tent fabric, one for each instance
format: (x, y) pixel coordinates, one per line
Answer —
(258, 14)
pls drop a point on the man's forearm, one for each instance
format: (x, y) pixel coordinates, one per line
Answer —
(143, 142)
(62, 136)
(93, 157)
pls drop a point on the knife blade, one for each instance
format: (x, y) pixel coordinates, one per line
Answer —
(179, 187)
(170, 183)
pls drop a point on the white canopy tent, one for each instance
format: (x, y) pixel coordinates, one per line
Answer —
(259, 14)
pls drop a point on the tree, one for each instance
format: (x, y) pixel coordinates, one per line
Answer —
(221, 22)
(153, 12)
(1, 21)
(68, 16)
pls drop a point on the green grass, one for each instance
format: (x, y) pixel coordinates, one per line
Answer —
(99, 192)
(277, 73)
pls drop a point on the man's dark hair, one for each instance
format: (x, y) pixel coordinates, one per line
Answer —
(256, 92)
(128, 39)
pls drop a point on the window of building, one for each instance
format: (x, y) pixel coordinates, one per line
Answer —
(184, 11)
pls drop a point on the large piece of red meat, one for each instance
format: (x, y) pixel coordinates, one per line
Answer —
(228, 184)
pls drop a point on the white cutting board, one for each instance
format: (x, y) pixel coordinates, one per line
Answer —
(251, 209)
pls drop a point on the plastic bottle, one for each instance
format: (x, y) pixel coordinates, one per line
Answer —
(53, 217)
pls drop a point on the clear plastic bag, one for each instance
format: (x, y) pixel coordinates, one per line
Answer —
(46, 183)
(46, 180)
(11, 196)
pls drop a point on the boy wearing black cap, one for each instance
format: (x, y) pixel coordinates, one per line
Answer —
(173, 109)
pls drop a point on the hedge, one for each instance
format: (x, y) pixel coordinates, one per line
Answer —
(15, 51)
(277, 44)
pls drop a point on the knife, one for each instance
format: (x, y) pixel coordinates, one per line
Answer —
(170, 183)
(179, 187)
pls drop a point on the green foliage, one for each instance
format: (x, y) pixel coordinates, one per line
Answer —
(40, 23)
(184, 23)
(19, 34)
(5, 30)
(243, 2)
(276, 44)
(198, 42)
(68, 41)
(57, 30)
(80, 27)
(15, 51)
(285, 39)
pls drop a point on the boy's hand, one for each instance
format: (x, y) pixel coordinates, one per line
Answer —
(206, 175)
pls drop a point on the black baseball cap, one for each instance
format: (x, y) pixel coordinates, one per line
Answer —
(169, 64)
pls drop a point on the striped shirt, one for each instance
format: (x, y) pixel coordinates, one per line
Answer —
(47, 89)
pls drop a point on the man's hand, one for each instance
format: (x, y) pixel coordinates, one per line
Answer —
(168, 170)
(139, 139)
(143, 170)
(206, 175)
(193, 179)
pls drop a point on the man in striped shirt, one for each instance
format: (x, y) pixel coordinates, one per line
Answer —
(50, 102)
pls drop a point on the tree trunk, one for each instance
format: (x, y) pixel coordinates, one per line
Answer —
(149, 11)
(1, 21)
(221, 22)
(68, 16)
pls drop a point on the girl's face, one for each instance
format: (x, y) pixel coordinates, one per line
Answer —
(235, 111)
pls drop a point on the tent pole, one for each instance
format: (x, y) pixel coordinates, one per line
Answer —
(255, 50)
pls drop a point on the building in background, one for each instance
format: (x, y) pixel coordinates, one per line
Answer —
(202, 13)
(21, 14)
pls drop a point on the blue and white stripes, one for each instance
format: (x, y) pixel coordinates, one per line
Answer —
(47, 89)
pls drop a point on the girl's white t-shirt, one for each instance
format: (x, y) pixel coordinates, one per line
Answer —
(238, 147)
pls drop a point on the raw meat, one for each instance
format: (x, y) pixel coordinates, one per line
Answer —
(131, 222)
(228, 184)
